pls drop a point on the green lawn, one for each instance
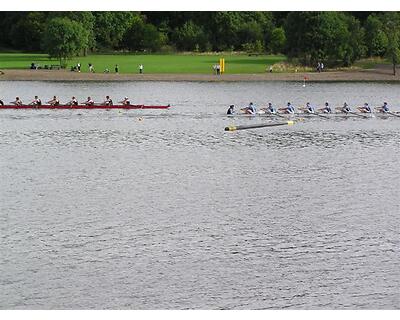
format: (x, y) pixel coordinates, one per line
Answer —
(153, 63)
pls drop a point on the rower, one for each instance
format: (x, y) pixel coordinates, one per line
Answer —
(384, 108)
(288, 109)
(365, 108)
(89, 102)
(36, 102)
(345, 108)
(125, 102)
(108, 101)
(326, 109)
(231, 109)
(1, 103)
(17, 102)
(73, 102)
(270, 108)
(308, 109)
(54, 102)
(251, 109)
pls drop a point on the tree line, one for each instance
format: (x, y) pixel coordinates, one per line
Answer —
(336, 38)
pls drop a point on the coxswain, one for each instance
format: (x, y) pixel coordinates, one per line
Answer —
(384, 108)
(89, 102)
(36, 102)
(326, 108)
(125, 102)
(308, 108)
(54, 101)
(365, 108)
(231, 109)
(344, 109)
(108, 101)
(288, 109)
(1, 103)
(73, 102)
(17, 102)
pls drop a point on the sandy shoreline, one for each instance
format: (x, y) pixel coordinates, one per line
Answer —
(62, 75)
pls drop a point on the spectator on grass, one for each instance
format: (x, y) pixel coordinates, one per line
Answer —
(78, 67)
(140, 68)
(218, 69)
(91, 68)
(116, 68)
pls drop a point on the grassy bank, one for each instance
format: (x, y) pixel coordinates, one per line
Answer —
(169, 63)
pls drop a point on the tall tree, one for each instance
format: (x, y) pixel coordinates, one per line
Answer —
(26, 33)
(375, 36)
(110, 28)
(392, 26)
(64, 39)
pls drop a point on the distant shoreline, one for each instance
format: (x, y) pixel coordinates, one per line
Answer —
(378, 75)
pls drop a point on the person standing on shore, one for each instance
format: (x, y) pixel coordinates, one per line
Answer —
(218, 69)
(116, 69)
(78, 66)
(91, 68)
(140, 68)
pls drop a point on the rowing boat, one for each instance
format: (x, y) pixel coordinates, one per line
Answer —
(136, 106)
(337, 115)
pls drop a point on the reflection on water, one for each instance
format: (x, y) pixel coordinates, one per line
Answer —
(164, 209)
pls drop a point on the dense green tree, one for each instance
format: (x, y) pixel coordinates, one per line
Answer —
(392, 29)
(86, 19)
(375, 36)
(190, 37)
(332, 37)
(26, 33)
(110, 28)
(250, 33)
(278, 40)
(141, 36)
(64, 38)
(355, 41)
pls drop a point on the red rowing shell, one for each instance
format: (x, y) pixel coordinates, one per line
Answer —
(133, 106)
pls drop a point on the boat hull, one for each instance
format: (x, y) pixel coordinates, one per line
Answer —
(130, 107)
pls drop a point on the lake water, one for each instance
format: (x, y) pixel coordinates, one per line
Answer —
(163, 209)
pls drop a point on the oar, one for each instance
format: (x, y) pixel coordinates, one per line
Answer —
(318, 115)
(359, 115)
(393, 114)
(235, 128)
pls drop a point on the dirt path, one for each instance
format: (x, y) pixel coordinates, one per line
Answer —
(378, 74)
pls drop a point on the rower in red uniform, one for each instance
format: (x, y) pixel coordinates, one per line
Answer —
(89, 102)
(54, 102)
(17, 102)
(125, 102)
(36, 102)
(73, 102)
(108, 101)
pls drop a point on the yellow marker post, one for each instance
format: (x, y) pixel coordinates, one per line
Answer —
(222, 65)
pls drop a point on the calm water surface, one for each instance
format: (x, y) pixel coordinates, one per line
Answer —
(164, 210)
